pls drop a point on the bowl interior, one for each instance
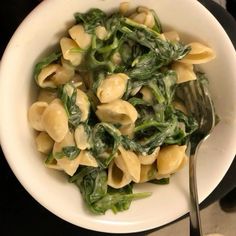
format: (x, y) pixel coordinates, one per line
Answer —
(36, 36)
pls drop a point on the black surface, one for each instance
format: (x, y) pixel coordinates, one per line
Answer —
(20, 214)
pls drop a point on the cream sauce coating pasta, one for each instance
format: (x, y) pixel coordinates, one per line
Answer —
(170, 159)
(129, 163)
(67, 47)
(81, 138)
(149, 159)
(82, 102)
(112, 87)
(184, 72)
(35, 113)
(44, 143)
(117, 178)
(199, 54)
(118, 111)
(55, 120)
(86, 159)
(78, 34)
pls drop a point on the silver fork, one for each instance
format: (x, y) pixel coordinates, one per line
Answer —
(196, 97)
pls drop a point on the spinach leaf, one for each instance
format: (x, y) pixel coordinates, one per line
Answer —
(166, 51)
(99, 197)
(106, 139)
(117, 201)
(160, 181)
(93, 18)
(71, 152)
(68, 93)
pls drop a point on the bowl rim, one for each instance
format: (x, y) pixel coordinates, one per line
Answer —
(4, 142)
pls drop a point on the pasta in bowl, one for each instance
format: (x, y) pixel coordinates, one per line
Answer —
(107, 115)
(118, 124)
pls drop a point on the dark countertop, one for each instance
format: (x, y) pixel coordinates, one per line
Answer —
(20, 214)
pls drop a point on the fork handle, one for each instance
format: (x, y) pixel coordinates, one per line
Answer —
(195, 221)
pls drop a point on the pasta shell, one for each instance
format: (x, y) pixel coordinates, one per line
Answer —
(35, 115)
(127, 129)
(143, 16)
(129, 163)
(117, 112)
(199, 54)
(46, 95)
(67, 47)
(55, 120)
(123, 8)
(45, 76)
(69, 166)
(81, 138)
(148, 172)
(101, 32)
(116, 177)
(170, 159)
(116, 58)
(112, 87)
(184, 72)
(53, 75)
(171, 35)
(147, 94)
(86, 159)
(44, 143)
(82, 102)
(78, 34)
(149, 159)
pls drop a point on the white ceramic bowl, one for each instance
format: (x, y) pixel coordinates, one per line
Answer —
(36, 35)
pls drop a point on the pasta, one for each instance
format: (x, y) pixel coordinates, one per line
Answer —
(55, 121)
(112, 87)
(108, 112)
(118, 111)
(44, 143)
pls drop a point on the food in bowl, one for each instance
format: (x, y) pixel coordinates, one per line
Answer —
(107, 113)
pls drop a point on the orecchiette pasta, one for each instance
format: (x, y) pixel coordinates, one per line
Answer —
(147, 173)
(117, 178)
(171, 35)
(101, 32)
(53, 75)
(78, 34)
(170, 159)
(112, 87)
(116, 58)
(147, 94)
(127, 129)
(143, 16)
(82, 102)
(184, 72)
(199, 54)
(118, 111)
(149, 159)
(86, 159)
(44, 143)
(129, 163)
(67, 47)
(47, 95)
(55, 120)
(124, 7)
(35, 115)
(69, 166)
(81, 138)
